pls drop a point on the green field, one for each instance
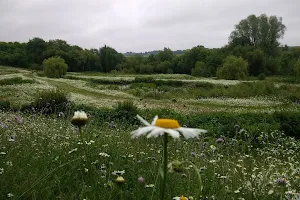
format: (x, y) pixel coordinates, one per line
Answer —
(42, 155)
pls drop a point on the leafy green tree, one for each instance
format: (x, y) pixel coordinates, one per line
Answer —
(165, 55)
(272, 65)
(149, 69)
(256, 61)
(35, 49)
(163, 67)
(55, 67)
(287, 61)
(233, 68)
(296, 69)
(151, 60)
(200, 69)
(187, 61)
(109, 58)
(261, 31)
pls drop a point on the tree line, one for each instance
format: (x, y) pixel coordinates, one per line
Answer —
(253, 48)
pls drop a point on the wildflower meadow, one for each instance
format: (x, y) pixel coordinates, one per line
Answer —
(171, 144)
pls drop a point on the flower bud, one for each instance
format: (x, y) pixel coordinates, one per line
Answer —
(120, 180)
(175, 166)
(79, 119)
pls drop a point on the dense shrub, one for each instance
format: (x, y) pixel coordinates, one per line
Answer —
(51, 102)
(126, 111)
(261, 76)
(55, 67)
(15, 81)
(4, 104)
(143, 79)
(289, 123)
(296, 69)
(111, 81)
(233, 68)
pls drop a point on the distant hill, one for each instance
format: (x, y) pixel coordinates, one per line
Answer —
(147, 53)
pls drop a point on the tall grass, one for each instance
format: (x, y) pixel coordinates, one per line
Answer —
(44, 161)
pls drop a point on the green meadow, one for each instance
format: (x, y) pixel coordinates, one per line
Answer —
(250, 151)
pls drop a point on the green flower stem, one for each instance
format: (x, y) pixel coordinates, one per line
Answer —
(88, 161)
(199, 179)
(165, 164)
(155, 183)
(121, 194)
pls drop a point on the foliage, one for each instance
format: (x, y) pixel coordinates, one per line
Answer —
(50, 102)
(296, 69)
(256, 61)
(35, 49)
(126, 111)
(289, 123)
(4, 105)
(200, 69)
(54, 165)
(255, 39)
(55, 67)
(163, 67)
(109, 58)
(261, 76)
(15, 81)
(233, 68)
(261, 31)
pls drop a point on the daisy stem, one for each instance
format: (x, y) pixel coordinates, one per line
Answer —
(87, 160)
(165, 164)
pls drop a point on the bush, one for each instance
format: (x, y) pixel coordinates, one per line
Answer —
(55, 67)
(261, 76)
(51, 102)
(4, 105)
(144, 79)
(127, 111)
(233, 68)
(296, 69)
(170, 71)
(289, 123)
(15, 81)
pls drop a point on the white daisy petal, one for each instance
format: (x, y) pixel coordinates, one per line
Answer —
(155, 132)
(190, 132)
(154, 120)
(141, 131)
(143, 121)
(172, 133)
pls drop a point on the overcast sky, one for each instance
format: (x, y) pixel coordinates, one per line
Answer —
(139, 25)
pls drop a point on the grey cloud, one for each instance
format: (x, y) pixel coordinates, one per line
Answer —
(139, 25)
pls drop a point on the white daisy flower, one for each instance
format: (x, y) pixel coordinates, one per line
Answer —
(160, 126)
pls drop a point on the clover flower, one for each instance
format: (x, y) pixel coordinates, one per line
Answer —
(18, 119)
(159, 127)
(220, 140)
(141, 180)
(281, 181)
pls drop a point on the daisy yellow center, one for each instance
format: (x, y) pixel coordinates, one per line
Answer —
(182, 198)
(167, 123)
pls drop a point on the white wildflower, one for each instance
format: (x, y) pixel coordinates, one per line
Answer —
(159, 127)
